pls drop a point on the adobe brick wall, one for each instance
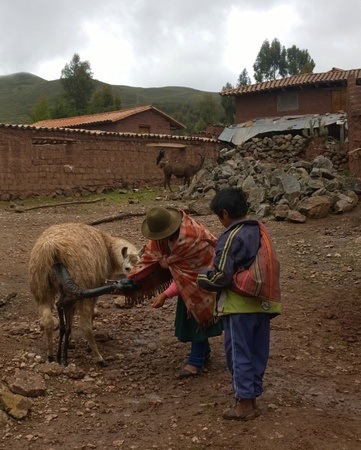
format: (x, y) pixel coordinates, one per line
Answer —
(354, 125)
(249, 107)
(37, 161)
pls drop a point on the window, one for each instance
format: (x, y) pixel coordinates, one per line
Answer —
(144, 129)
(287, 101)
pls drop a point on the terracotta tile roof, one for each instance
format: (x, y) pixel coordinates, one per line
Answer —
(106, 117)
(333, 76)
(71, 133)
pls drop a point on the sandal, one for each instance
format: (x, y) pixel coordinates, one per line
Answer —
(186, 373)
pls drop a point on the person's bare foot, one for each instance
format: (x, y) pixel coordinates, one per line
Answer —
(189, 371)
(190, 368)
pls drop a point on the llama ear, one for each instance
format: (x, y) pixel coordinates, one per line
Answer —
(124, 252)
(141, 251)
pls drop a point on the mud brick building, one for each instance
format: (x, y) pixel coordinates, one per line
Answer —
(312, 93)
(142, 119)
(64, 161)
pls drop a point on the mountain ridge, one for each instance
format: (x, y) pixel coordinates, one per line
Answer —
(19, 92)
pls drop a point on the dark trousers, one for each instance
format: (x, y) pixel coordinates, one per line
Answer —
(200, 351)
(247, 343)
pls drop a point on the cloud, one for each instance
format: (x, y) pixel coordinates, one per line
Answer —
(197, 43)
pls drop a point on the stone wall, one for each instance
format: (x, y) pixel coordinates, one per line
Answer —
(285, 149)
(354, 125)
(39, 161)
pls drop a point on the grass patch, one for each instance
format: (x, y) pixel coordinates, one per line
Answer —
(113, 198)
(143, 196)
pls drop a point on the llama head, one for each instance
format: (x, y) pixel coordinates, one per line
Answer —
(130, 258)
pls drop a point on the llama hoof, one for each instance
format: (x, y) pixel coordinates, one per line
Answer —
(102, 363)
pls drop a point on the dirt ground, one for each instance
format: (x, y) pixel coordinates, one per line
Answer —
(312, 397)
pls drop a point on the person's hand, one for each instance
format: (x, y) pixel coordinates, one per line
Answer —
(126, 285)
(163, 263)
(159, 300)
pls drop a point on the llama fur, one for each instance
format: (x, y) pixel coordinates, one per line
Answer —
(179, 170)
(90, 256)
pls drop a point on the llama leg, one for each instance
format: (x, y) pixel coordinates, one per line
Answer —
(61, 316)
(86, 314)
(68, 313)
(65, 313)
(167, 182)
(69, 293)
(48, 326)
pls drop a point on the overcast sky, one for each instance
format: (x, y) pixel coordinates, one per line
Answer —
(202, 44)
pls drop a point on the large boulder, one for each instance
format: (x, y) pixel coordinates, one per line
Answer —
(315, 207)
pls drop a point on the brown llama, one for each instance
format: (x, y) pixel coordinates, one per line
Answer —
(180, 170)
(90, 256)
(160, 156)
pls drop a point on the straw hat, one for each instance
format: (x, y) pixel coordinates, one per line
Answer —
(161, 223)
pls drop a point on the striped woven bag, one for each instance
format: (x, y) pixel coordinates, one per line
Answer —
(262, 278)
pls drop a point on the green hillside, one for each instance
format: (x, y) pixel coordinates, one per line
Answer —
(21, 91)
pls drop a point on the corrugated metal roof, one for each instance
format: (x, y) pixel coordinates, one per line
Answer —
(106, 117)
(238, 134)
(332, 76)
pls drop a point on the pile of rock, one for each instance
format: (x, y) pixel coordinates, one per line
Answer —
(292, 191)
(288, 148)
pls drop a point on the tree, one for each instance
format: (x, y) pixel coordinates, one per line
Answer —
(299, 61)
(243, 79)
(274, 61)
(104, 100)
(41, 110)
(271, 61)
(62, 108)
(229, 106)
(208, 112)
(78, 84)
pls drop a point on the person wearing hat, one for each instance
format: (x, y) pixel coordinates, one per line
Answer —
(178, 248)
